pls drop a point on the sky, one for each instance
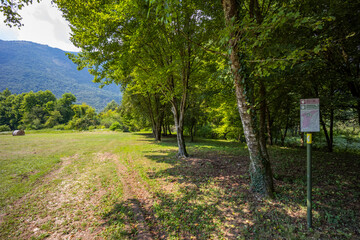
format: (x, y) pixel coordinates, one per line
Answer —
(43, 24)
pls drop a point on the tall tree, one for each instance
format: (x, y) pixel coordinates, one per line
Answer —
(119, 40)
(260, 170)
(64, 105)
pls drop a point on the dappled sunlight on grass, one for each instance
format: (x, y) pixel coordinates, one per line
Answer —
(211, 167)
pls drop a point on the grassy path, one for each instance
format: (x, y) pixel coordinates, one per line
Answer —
(105, 185)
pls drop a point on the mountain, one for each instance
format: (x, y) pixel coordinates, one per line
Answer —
(27, 66)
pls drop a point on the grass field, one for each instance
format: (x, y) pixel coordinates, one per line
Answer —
(109, 185)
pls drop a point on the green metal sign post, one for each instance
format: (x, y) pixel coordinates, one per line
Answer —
(309, 122)
(309, 177)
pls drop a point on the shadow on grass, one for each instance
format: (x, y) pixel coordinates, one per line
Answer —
(207, 195)
(120, 221)
(220, 146)
(168, 217)
(336, 190)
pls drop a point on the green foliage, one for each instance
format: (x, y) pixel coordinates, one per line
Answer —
(63, 106)
(4, 128)
(59, 127)
(205, 131)
(110, 114)
(54, 119)
(84, 117)
(134, 111)
(42, 110)
(10, 109)
(111, 106)
(115, 126)
(10, 10)
(36, 108)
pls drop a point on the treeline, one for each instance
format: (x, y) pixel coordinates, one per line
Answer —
(43, 110)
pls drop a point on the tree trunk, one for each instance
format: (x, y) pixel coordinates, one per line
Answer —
(262, 119)
(269, 125)
(260, 171)
(157, 130)
(179, 126)
(156, 113)
(169, 129)
(355, 92)
(191, 132)
(358, 110)
(331, 129)
(328, 138)
(283, 136)
(164, 129)
(262, 140)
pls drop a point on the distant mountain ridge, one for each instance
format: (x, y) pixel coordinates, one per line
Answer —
(27, 66)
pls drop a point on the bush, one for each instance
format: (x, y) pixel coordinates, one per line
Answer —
(205, 132)
(4, 128)
(81, 123)
(59, 127)
(115, 126)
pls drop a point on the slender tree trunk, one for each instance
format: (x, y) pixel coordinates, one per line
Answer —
(179, 117)
(262, 138)
(328, 139)
(355, 92)
(269, 125)
(331, 129)
(179, 126)
(260, 171)
(358, 111)
(157, 132)
(169, 129)
(164, 129)
(191, 132)
(156, 114)
(158, 124)
(283, 136)
(262, 119)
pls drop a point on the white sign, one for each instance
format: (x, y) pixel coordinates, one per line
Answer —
(310, 115)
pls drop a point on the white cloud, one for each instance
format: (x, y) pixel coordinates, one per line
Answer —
(43, 24)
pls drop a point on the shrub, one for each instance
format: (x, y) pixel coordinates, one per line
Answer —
(115, 126)
(205, 132)
(4, 128)
(59, 127)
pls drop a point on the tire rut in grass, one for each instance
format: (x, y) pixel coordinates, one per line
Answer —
(138, 197)
(53, 208)
(44, 180)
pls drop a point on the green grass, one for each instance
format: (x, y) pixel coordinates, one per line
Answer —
(101, 184)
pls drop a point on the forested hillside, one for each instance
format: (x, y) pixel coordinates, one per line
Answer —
(27, 66)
